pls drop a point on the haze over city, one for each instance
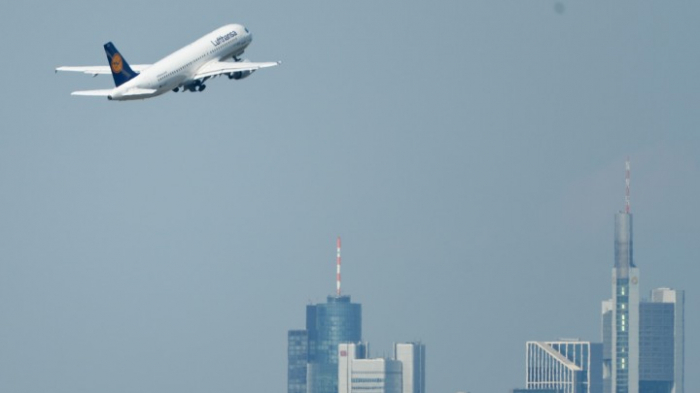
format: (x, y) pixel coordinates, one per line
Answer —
(471, 154)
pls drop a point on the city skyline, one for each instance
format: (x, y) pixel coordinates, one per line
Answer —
(168, 245)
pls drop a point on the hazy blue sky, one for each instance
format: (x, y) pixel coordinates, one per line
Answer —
(470, 153)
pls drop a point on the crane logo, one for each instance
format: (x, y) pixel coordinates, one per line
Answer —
(117, 64)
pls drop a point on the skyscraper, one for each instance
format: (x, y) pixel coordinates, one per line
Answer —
(643, 342)
(327, 325)
(412, 358)
(312, 354)
(625, 310)
(567, 366)
(621, 337)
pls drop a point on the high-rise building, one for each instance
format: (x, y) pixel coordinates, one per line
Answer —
(315, 350)
(327, 325)
(568, 366)
(621, 336)
(643, 342)
(412, 358)
(358, 373)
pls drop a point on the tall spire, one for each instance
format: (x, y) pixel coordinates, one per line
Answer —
(627, 186)
(337, 278)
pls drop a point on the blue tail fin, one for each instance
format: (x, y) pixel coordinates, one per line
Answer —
(121, 71)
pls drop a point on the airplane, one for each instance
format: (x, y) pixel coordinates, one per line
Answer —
(217, 53)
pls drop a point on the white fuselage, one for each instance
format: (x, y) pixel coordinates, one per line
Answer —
(177, 69)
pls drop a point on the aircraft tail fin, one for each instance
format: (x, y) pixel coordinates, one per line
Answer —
(121, 71)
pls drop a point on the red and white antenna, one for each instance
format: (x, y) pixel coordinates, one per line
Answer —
(337, 278)
(627, 186)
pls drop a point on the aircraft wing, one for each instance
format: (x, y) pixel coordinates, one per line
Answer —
(100, 70)
(215, 68)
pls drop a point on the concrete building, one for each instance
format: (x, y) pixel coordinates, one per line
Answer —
(606, 331)
(357, 373)
(412, 358)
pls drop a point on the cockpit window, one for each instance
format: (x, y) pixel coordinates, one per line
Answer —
(246, 30)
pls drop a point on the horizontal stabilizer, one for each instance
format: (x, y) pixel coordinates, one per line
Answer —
(100, 70)
(138, 92)
(94, 93)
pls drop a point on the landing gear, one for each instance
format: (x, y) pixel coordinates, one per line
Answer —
(193, 86)
(176, 89)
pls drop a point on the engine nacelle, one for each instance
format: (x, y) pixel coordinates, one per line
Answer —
(238, 75)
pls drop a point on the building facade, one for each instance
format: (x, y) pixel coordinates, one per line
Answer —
(297, 359)
(412, 358)
(567, 366)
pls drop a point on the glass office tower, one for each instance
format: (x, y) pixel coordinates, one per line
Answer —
(677, 298)
(327, 325)
(661, 339)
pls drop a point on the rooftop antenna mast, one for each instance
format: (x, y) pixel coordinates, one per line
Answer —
(337, 278)
(627, 186)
